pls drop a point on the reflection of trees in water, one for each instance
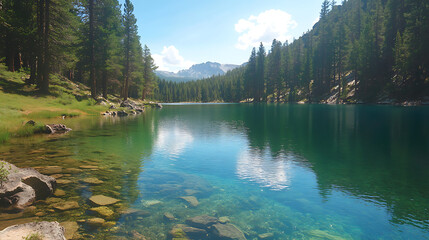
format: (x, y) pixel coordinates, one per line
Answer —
(370, 151)
(122, 144)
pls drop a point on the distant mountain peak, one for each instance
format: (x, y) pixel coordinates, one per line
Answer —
(197, 71)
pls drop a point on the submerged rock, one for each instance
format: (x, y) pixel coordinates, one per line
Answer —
(88, 167)
(95, 222)
(59, 193)
(71, 229)
(102, 200)
(137, 236)
(195, 233)
(169, 216)
(64, 206)
(23, 186)
(50, 170)
(103, 211)
(224, 220)
(64, 181)
(266, 235)
(178, 233)
(227, 232)
(191, 200)
(92, 180)
(150, 203)
(203, 221)
(45, 230)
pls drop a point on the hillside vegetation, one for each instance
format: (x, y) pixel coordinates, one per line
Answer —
(21, 102)
(369, 51)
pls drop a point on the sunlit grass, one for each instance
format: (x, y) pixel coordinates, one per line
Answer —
(20, 103)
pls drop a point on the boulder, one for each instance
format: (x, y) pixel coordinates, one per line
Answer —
(121, 113)
(195, 233)
(227, 232)
(203, 221)
(45, 230)
(159, 105)
(23, 186)
(132, 105)
(57, 128)
(102, 200)
(30, 123)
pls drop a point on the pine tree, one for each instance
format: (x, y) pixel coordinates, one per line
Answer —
(130, 39)
(148, 73)
(260, 74)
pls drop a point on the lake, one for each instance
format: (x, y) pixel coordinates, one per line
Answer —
(275, 171)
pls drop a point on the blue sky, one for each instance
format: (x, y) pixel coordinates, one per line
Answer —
(185, 32)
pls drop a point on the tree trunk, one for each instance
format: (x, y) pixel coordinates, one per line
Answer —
(92, 78)
(39, 41)
(104, 84)
(46, 64)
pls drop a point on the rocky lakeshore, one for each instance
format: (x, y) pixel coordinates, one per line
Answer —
(39, 205)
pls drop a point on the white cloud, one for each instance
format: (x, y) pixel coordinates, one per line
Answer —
(268, 25)
(170, 60)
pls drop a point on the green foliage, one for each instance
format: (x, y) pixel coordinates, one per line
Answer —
(34, 236)
(4, 135)
(382, 43)
(29, 130)
(4, 171)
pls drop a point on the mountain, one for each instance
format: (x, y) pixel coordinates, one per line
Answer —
(197, 71)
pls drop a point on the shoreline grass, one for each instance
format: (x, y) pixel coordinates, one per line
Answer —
(20, 103)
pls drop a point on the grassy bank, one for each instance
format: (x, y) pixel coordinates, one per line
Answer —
(21, 102)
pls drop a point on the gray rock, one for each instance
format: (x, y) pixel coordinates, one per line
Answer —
(23, 186)
(45, 230)
(121, 113)
(56, 128)
(195, 233)
(227, 232)
(203, 221)
(31, 123)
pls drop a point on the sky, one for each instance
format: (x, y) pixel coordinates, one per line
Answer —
(181, 33)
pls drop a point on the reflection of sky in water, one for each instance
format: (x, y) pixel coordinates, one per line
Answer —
(262, 168)
(173, 140)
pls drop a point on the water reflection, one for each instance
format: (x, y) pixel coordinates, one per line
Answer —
(297, 172)
(258, 166)
(173, 140)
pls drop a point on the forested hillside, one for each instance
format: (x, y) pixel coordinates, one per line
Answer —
(359, 51)
(89, 41)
